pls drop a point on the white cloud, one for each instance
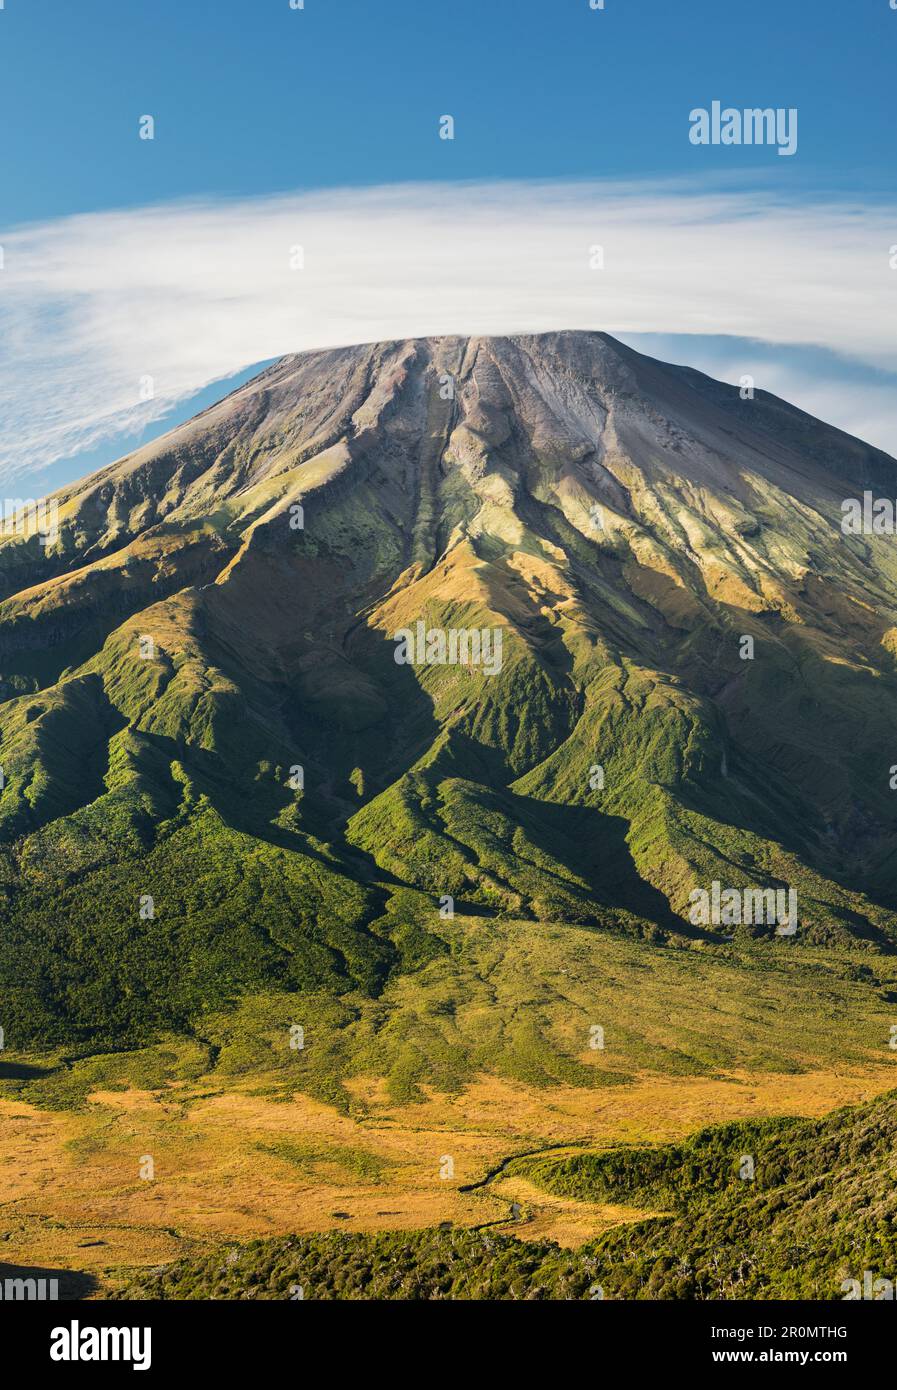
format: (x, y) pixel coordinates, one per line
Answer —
(191, 293)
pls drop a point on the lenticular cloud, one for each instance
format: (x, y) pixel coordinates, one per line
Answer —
(108, 320)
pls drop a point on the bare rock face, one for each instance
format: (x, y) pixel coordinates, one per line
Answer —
(658, 660)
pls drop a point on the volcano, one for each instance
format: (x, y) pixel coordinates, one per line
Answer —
(218, 778)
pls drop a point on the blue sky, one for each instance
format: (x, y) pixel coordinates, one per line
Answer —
(253, 99)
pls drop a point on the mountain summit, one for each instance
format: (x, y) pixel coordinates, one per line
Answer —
(530, 626)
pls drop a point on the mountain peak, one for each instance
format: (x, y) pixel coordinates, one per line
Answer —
(649, 571)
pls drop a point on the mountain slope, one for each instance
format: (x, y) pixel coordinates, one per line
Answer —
(190, 639)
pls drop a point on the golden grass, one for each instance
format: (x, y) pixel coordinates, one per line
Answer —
(229, 1163)
(561, 1219)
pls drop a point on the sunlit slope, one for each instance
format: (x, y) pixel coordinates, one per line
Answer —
(201, 705)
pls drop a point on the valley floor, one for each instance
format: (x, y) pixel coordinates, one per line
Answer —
(115, 1161)
(231, 1163)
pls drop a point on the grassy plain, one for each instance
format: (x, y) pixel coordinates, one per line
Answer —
(251, 1138)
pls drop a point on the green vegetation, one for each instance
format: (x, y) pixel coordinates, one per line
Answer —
(228, 814)
(401, 1265)
(349, 1161)
(55, 1080)
(226, 809)
(820, 1209)
(517, 1000)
